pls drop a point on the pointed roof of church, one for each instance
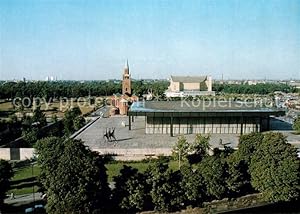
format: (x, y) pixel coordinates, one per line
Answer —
(127, 65)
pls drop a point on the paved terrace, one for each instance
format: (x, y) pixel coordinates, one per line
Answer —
(136, 143)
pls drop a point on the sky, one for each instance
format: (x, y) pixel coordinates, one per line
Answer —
(91, 39)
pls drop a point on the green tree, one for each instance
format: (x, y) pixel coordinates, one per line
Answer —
(275, 168)
(72, 120)
(79, 122)
(213, 170)
(181, 149)
(74, 177)
(296, 125)
(199, 148)
(238, 180)
(6, 174)
(247, 146)
(30, 136)
(166, 192)
(130, 192)
(39, 117)
(193, 186)
(75, 111)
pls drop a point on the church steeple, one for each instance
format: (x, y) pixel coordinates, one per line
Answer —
(126, 83)
(126, 69)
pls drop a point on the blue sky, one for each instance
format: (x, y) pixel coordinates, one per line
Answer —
(90, 40)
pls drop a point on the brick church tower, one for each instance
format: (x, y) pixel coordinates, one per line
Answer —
(126, 83)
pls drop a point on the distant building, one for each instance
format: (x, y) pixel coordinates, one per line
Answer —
(51, 78)
(183, 86)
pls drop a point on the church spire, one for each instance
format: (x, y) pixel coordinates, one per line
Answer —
(126, 69)
(126, 65)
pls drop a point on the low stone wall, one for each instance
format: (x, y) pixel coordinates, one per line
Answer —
(117, 154)
(26, 153)
(135, 154)
(5, 153)
(22, 153)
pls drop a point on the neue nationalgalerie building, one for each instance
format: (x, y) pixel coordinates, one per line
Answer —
(184, 117)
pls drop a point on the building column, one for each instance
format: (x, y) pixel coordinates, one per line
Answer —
(204, 125)
(242, 124)
(171, 127)
(261, 124)
(129, 124)
(256, 126)
(268, 123)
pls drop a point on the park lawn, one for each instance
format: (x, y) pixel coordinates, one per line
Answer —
(113, 169)
(55, 108)
(26, 172)
(23, 173)
(25, 190)
(60, 107)
(6, 106)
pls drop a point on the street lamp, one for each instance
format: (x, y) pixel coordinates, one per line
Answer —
(179, 163)
(33, 195)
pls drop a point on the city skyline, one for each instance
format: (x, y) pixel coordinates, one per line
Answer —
(79, 40)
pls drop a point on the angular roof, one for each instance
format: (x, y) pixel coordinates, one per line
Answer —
(188, 79)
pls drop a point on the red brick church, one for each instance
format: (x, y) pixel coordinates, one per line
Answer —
(121, 102)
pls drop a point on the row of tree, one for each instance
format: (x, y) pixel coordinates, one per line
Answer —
(32, 128)
(76, 180)
(76, 88)
(107, 88)
(260, 88)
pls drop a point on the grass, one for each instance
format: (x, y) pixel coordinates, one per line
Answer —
(63, 106)
(25, 190)
(21, 174)
(113, 169)
(6, 106)
(58, 108)
(26, 172)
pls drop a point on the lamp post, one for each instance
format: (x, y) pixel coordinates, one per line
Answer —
(33, 195)
(179, 159)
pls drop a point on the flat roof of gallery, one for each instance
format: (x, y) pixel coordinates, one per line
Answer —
(201, 107)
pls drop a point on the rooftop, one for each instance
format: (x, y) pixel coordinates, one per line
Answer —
(201, 107)
(188, 79)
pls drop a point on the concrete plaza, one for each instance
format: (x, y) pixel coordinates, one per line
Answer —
(135, 144)
(136, 138)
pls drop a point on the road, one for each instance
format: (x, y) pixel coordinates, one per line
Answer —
(102, 112)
